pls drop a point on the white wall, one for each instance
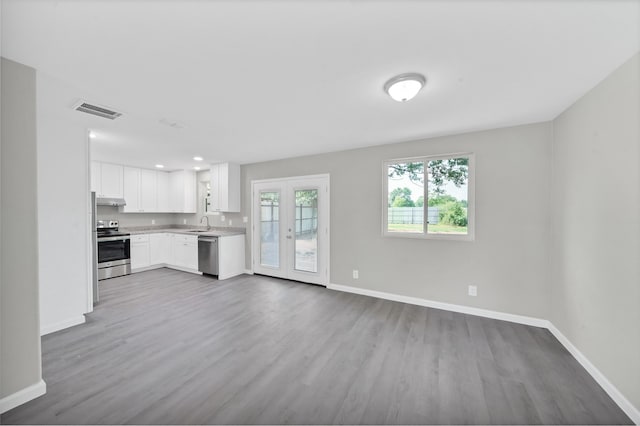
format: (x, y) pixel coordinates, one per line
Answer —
(596, 227)
(508, 260)
(21, 368)
(63, 214)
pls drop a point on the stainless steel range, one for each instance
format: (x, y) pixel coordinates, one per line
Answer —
(114, 250)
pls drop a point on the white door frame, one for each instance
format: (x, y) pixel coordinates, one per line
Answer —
(324, 251)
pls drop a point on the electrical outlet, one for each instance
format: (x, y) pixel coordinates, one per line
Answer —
(153, 221)
(230, 222)
(473, 290)
(222, 218)
(245, 219)
(356, 274)
(184, 221)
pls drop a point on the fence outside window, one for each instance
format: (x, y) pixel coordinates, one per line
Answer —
(413, 215)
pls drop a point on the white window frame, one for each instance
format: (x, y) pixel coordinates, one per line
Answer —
(471, 200)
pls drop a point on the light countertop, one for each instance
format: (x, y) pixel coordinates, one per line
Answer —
(185, 230)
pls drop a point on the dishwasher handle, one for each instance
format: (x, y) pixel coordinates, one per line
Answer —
(209, 239)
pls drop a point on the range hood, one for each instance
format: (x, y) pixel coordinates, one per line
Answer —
(114, 202)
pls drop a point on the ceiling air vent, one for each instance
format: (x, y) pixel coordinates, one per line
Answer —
(100, 111)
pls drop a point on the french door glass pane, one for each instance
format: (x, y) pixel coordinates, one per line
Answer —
(306, 230)
(270, 229)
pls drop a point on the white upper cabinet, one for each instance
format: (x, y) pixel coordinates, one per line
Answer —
(96, 178)
(141, 190)
(131, 190)
(145, 191)
(107, 180)
(148, 191)
(225, 187)
(182, 192)
(162, 185)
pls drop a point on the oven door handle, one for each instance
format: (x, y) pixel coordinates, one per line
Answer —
(104, 239)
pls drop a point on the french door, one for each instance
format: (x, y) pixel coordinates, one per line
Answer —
(291, 228)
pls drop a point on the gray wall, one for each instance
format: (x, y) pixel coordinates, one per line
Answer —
(20, 337)
(508, 260)
(596, 231)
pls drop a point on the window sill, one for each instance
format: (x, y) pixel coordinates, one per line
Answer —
(423, 236)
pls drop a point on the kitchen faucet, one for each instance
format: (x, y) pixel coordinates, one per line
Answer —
(206, 217)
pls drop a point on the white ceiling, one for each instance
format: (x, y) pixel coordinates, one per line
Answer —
(260, 80)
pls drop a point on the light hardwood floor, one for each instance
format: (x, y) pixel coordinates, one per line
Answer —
(167, 347)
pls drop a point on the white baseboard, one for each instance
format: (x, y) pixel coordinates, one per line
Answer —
(608, 387)
(248, 271)
(165, 265)
(148, 268)
(70, 322)
(520, 319)
(180, 268)
(22, 396)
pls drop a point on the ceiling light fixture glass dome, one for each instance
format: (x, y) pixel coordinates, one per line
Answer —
(404, 87)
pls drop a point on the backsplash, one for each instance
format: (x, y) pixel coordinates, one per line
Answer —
(214, 220)
(144, 219)
(136, 219)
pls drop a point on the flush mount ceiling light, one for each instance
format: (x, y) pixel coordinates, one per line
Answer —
(197, 158)
(404, 87)
(160, 166)
(92, 135)
(196, 168)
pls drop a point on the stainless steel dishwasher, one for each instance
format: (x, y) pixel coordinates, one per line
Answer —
(208, 254)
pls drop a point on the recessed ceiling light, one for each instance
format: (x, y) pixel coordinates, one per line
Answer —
(196, 168)
(160, 166)
(197, 158)
(92, 135)
(404, 87)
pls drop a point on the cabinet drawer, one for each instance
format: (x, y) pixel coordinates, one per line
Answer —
(193, 239)
(141, 238)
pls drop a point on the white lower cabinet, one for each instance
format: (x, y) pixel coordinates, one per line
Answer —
(230, 256)
(185, 251)
(179, 251)
(140, 251)
(160, 249)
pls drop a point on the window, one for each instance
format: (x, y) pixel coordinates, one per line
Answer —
(429, 197)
